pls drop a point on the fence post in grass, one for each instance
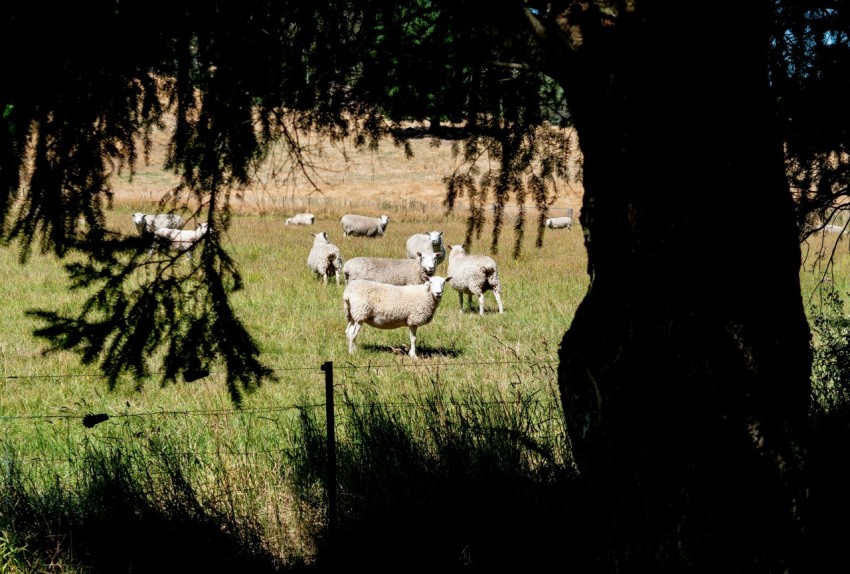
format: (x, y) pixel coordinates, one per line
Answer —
(328, 368)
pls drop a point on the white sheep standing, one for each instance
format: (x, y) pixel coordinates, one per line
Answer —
(474, 275)
(363, 225)
(560, 223)
(150, 222)
(181, 239)
(324, 258)
(300, 219)
(429, 242)
(385, 306)
(392, 271)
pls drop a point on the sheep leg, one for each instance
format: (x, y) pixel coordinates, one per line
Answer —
(480, 303)
(351, 331)
(499, 301)
(412, 352)
(460, 296)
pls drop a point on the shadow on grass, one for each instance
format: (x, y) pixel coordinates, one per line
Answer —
(422, 351)
(478, 483)
(121, 518)
(438, 483)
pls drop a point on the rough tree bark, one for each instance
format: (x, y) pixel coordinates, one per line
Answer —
(685, 372)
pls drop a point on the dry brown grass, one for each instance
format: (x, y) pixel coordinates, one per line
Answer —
(337, 173)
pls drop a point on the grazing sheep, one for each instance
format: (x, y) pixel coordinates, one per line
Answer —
(300, 219)
(324, 258)
(560, 223)
(386, 306)
(392, 271)
(834, 229)
(363, 225)
(474, 275)
(430, 242)
(181, 239)
(148, 223)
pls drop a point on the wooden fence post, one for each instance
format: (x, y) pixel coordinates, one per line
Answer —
(328, 368)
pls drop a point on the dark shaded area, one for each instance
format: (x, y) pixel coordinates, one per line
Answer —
(122, 519)
(472, 487)
(479, 482)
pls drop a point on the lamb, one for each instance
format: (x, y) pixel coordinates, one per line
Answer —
(392, 271)
(181, 239)
(560, 223)
(429, 242)
(300, 219)
(324, 258)
(148, 223)
(386, 306)
(363, 225)
(474, 275)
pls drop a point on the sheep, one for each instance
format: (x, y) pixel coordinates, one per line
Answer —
(560, 223)
(474, 275)
(392, 271)
(300, 219)
(385, 306)
(364, 226)
(148, 223)
(181, 240)
(324, 258)
(834, 229)
(429, 242)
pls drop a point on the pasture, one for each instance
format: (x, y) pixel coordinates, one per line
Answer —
(238, 455)
(299, 325)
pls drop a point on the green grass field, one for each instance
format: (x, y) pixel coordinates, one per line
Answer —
(299, 325)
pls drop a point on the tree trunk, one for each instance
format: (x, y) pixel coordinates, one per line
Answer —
(685, 373)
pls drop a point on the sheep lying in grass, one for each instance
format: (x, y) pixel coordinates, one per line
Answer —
(325, 258)
(363, 225)
(474, 275)
(560, 223)
(834, 229)
(430, 242)
(180, 239)
(148, 223)
(300, 219)
(392, 271)
(386, 306)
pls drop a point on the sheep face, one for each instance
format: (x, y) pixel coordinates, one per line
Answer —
(428, 261)
(436, 238)
(436, 285)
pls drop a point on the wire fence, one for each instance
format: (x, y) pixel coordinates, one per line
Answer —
(329, 369)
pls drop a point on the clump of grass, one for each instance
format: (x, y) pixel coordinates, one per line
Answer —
(443, 481)
(123, 508)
